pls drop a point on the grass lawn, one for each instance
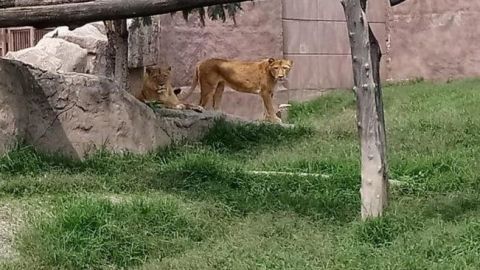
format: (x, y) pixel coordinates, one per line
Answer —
(198, 207)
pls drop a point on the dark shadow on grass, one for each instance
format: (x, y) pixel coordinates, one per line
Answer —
(25, 160)
(25, 171)
(197, 173)
(207, 176)
(452, 208)
(228, 137)
(194, 171)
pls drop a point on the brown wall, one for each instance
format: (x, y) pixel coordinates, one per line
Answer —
(258, 34)
(434, 39)
(316, 39)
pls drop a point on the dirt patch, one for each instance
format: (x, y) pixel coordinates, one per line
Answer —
(9, 224)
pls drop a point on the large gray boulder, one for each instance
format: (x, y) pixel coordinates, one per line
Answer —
(53, 54)
(89, 38)
(73, 114)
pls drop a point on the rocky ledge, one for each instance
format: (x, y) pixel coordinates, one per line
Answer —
(74, 114)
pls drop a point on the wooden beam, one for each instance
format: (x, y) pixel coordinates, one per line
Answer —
(97, 10)
(28, 3)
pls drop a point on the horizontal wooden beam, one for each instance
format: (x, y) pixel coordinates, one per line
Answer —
(27, 3)
(81, 12)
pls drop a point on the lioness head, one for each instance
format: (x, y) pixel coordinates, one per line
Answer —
(159, 75)
(279, 68)
(158, 80)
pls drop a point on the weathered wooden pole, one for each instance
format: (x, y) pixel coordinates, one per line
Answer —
(80, 11)
(121, 52)
(370, 120)
(27, 3)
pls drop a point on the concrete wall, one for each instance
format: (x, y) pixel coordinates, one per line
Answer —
(434, 39)
(316, 39)
(258, 34)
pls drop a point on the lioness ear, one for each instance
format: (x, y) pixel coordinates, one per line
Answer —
(290, 62)
(271, 60)
(148, 70)
(169, 68)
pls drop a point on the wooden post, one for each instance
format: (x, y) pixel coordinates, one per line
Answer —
(10, 40)
(120, 38)
(110, 50)
(32, 36)
(3, 42)
(370, 120)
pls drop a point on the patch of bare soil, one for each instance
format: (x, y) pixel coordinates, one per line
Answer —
(9, 223)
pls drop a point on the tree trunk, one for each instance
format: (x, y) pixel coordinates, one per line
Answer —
(370, 120)
(117, 52)
(97, 10)
(120, 38)
(110, 50)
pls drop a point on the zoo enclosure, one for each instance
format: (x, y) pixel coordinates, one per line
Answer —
(18, 38)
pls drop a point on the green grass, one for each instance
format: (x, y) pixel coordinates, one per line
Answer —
(197, 206)
(87, 232)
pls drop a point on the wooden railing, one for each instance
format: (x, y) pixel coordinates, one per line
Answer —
(19, 38)
(3, 42)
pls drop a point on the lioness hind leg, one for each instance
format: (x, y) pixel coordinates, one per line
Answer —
(207, 91)
(217, 97)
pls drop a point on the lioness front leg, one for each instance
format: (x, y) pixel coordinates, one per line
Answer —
(270, 112)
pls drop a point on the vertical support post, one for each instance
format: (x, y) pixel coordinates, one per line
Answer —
(121, 53)
(32, 36)
(366, 57)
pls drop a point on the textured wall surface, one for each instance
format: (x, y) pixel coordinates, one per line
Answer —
(258, 34)
(434, 39)
(316, 38)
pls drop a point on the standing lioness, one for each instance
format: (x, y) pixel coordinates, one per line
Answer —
(258, 77)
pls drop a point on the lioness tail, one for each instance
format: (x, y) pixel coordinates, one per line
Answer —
(187, 94)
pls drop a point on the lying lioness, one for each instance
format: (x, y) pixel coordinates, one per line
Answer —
(258, 77)
(157, 87)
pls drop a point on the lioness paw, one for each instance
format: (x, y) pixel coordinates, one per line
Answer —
(277, 120)
(199, 109)
(273, 119)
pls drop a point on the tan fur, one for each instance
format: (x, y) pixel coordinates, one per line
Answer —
(259, 77)
(157, 87)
